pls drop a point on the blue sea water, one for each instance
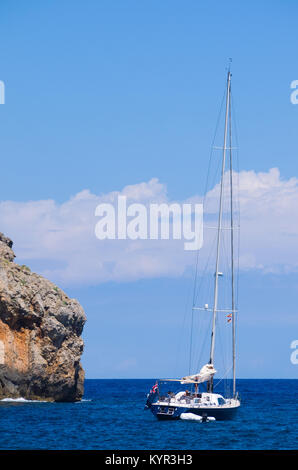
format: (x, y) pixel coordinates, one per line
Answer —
(112, 417)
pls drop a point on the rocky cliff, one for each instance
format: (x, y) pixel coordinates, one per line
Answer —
(40, 328)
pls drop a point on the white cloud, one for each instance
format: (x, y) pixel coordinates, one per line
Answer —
(60, 239)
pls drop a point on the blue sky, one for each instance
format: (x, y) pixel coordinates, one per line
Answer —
(105, 94)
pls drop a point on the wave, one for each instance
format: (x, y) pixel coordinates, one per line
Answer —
(22, 400)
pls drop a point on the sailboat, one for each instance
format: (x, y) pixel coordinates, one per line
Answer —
(201, 402)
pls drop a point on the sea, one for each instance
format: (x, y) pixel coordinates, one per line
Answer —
(111, 416)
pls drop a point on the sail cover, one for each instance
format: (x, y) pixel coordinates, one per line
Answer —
(205, 374)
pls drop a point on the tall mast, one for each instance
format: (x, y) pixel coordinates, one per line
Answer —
(210, 385)
(232, 254)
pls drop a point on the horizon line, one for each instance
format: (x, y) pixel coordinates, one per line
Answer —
(164, 380)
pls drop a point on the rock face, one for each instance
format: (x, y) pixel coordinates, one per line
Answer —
(40, 328)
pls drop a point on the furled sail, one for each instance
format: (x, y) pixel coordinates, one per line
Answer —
(205, 374)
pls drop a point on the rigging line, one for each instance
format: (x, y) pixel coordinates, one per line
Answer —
(237, 145)
(209, 165)
(221, 345)
(213, 141)
(216, 173)
(198, 291)
(200, 352)
(210, 382)
(213, 182)
(238, 193)
(219, 159)
(191, 339)
(197, 254)
(223, 378)
(239, 216)
(204, 199)
(183, 330)
(215, 133)
(204, 272)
